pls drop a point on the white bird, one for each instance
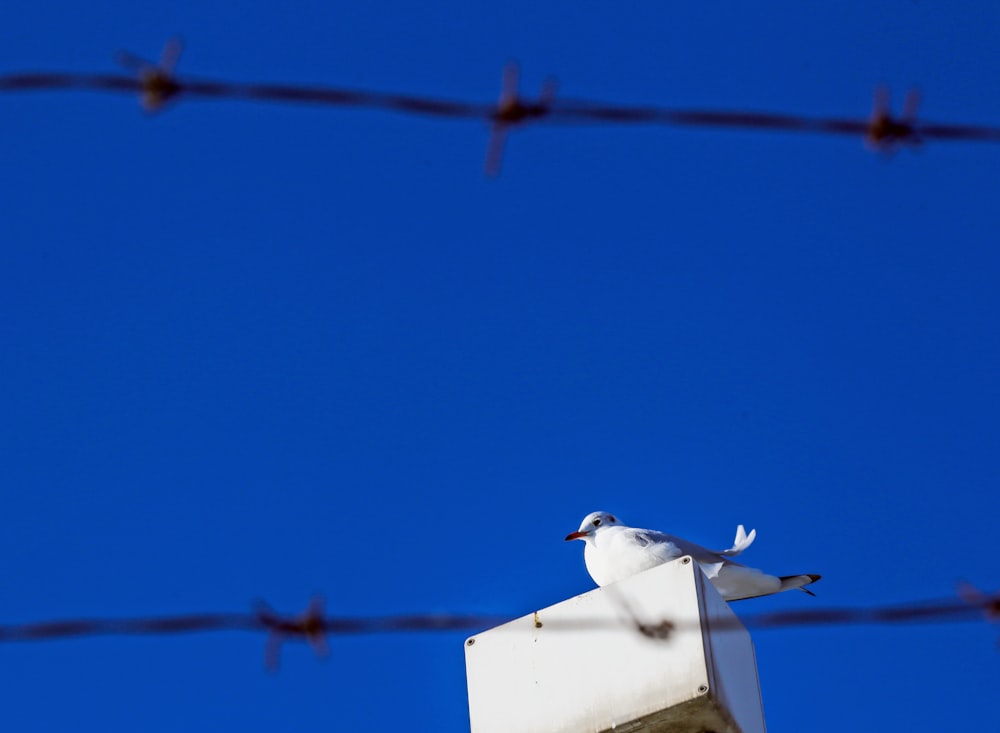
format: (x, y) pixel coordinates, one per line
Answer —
(615, 551)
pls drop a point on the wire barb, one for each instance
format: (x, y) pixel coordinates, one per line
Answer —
(511, 110)
(310, 625)
(887, 133)
(662, 630)
(157, 84)
(989, 605)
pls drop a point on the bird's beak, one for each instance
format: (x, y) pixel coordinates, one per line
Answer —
(575, 536)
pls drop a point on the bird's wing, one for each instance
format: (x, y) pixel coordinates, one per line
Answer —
(660, 545)
(742, 542)
(670, 548)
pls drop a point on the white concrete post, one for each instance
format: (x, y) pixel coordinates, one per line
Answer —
(660, 651)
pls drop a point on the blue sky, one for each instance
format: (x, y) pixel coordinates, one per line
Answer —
(255, 351)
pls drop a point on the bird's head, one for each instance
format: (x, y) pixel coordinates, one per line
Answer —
(593, 523)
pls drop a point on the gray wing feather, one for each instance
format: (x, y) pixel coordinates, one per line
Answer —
(670, 547)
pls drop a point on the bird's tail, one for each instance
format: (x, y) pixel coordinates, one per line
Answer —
(742, 542)
(791, 582)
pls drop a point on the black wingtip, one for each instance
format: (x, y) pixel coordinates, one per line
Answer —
(789, 582)
(812, 579)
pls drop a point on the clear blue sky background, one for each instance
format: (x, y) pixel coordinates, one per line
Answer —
(262, 351)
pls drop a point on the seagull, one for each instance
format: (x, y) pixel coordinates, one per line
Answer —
(615, 551)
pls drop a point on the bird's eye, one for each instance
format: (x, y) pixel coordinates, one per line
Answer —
(597, 522)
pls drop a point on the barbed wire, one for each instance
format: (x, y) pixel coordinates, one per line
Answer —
(313, 626)
(157, 84)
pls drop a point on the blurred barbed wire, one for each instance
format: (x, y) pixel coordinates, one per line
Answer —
(314, 626)
(157, 84)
